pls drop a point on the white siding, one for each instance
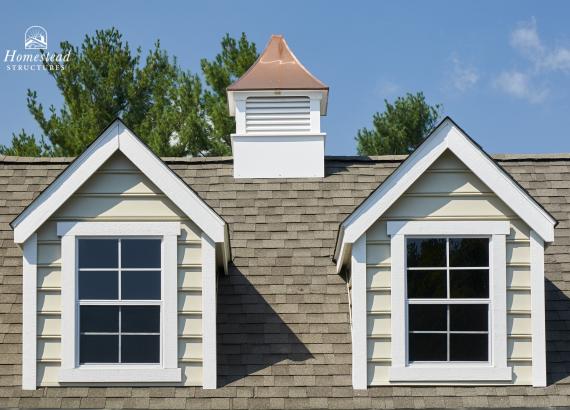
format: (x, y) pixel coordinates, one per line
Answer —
(119, 192)
(448, 191)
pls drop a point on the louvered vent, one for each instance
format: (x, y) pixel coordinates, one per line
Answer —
(277, 115)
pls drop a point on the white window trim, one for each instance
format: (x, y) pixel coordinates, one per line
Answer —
(496, 369)
(70, 371)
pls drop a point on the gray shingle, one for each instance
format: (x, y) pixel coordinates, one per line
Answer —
(284, 337)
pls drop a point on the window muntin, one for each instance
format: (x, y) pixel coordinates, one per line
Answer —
(119, 300)
(448, 299)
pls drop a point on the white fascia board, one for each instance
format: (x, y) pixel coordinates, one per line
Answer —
(396, 184)
(446, 136)
(172, 186)
(393, 187)
(115, 138)
(502, 185)
(66, 184)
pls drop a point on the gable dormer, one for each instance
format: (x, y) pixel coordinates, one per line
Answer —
(278, 106)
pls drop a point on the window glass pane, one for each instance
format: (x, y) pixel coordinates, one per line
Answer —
(468, 252)
(426, 252)
(469, 317)
(140, 349)
(469, 347)
(140, 285)
(98, 253)
(140, 319)
(427, 284)
(99, 319)
(98, 285)
(469, 283)
(428, 347)
(427, 317)
(98, 348)
(140, 253)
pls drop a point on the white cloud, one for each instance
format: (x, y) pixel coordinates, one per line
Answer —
(520, 85)
(526, 40)
(463, 77)
(542, 58)
(558, 60)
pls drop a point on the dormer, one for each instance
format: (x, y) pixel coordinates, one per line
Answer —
(278, 106)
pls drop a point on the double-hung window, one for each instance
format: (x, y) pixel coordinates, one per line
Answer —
(119, 302)
(448, 304)
(448, 301)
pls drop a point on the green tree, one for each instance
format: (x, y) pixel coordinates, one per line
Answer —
(24, 145)
(400, 128)
(164, 105)
(234, 60)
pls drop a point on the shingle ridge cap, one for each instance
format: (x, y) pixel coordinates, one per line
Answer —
(337, 158)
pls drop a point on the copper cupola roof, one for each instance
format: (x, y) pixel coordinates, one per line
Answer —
(277, 68)
(277, 71)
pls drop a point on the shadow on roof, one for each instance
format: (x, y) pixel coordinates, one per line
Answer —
(251, 335)
(557, 334)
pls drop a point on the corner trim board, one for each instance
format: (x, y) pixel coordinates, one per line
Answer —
(209, 306)
(29, 308)
(538, 310)
(359, 322)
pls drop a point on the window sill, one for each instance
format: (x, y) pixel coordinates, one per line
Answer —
(450, 374)
(123, 375)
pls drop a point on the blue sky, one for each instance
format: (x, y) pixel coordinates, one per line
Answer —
(500, 69)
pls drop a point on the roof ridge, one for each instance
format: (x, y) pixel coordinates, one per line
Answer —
(340, 158)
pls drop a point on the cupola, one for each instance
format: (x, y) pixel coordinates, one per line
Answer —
(278, 106)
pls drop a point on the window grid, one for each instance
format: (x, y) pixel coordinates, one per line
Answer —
(120, 302)
(449, 301)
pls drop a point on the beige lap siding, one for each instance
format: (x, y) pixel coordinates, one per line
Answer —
(119, 192)
(448, 191)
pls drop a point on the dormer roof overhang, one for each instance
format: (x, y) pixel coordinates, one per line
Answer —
(446, 136)
(117, 137)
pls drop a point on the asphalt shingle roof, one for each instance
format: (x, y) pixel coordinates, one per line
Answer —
(283, 327)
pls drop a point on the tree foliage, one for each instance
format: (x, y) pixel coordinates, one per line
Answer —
(24, 145)
(400, 128)
(167, 107)
(231, 63)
